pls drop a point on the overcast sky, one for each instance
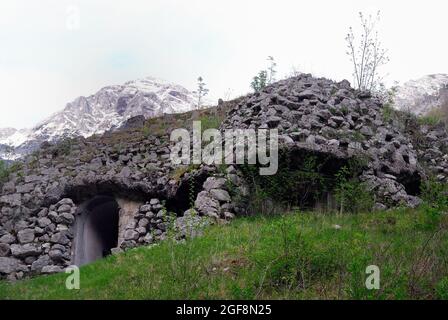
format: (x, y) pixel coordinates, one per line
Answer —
(48, 56)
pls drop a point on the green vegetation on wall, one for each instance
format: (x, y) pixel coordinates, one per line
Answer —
(4, 172)
(308, 184)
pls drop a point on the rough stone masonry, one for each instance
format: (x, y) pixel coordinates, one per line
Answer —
(43, 202)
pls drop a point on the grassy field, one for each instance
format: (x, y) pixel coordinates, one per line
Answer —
(294, 256)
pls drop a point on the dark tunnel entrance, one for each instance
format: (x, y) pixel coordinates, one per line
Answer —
(182, 199)
(305, 180)
(411, 182)
(96, 229)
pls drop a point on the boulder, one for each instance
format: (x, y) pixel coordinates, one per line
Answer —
(26, 236)
(273, 121)
(7, 238)
(26, 250)
(220, 195)
(65, 201)
(67, 218)
(9, 188)
(125, 172)
(131, 234)
(41, 262)
(206, 205)
(143, 222)
(65, 208)
(215, 183)
(51, 269)
(148, 238)
(8, 265)
(145, 208)
(60, 238)
(4, 249)
(43, 222)
(54, 194)
(12, 200)
(25, 188)
(367, 131)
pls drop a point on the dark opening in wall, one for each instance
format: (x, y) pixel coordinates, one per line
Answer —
(189, 187)
(305, 179)
(411, 183)
(96, 229)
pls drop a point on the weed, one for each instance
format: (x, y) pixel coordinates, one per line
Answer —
(429, 120)
(388, 113)
(352, 195)
(4, 171)
(296, 255)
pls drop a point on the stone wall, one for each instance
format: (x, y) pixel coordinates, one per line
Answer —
(40, 201)
(39, 244)
(322, 116)
(128, 210)
(44, 243)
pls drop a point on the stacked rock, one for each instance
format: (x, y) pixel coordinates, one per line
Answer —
(149, 225)
(38, 244)
(215, 201)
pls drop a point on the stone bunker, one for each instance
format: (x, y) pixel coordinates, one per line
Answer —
(78, 201)
(96, 229)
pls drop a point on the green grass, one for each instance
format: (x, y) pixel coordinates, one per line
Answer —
(210, 121)
(430, 120)
(4, 173)
(388, 113)
(295, 256)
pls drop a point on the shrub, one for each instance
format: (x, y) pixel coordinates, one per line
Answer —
(287, 187)
(435, 197)
(202, 91)
(157, 128)
(4, 171)
(345, 110)
(209, 121)
(352, 195)
(435, 194)
(63, 148)
(442, 289)
(388, 113)
(305, 182)
(178, 173)
(430, 120)
(355, 136)
(146, 131)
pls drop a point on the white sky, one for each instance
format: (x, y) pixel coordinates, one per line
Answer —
(44, 64)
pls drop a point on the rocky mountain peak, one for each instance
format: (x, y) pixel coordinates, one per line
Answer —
(422, 95)
(105, 110)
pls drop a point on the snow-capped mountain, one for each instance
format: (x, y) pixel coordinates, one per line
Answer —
(13, 137)
(422, 95)
(107, 109)
(10, 139)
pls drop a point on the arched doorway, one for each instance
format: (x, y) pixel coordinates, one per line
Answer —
(96, 229)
